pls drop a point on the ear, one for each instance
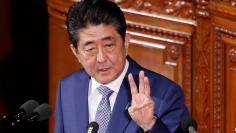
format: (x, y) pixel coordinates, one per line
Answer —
(75, 51)
(127, 38)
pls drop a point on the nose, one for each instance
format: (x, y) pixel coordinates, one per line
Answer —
(101, 56)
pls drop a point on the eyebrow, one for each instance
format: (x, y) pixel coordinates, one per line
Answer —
(107, 38)
(88, 43)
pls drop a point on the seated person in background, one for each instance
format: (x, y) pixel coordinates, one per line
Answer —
(112, 89)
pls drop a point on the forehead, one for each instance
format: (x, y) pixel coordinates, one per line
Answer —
(97, 32)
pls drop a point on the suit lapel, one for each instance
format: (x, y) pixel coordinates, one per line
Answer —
(81, 102)
(120, 117)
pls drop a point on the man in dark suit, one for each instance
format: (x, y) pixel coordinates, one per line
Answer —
(112, 89)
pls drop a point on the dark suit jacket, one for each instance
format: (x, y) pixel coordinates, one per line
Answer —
(72, 103)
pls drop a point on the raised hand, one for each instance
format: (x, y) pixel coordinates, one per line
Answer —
(142, 106)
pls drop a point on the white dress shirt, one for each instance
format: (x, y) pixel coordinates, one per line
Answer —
(94, 97)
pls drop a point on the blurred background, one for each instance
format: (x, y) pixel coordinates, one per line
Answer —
(23, 56)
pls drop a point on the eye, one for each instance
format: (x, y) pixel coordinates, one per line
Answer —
(90, 49)
(109, 45)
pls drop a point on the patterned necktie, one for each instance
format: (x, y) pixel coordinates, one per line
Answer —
(104, 110)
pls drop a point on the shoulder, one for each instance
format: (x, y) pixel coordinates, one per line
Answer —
(73, 82)
(154, 77)
(74, 78)
(157, 78)
(159, 84)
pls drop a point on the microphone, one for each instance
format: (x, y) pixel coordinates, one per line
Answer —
(93, 127)
(189, 125)
(25, 109)
(42, 112)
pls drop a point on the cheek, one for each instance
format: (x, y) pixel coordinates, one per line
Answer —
(88, 64)
(118, 59)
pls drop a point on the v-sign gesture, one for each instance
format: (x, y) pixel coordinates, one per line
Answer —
(142, 106)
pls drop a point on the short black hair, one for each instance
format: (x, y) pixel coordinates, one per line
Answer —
(94, 12)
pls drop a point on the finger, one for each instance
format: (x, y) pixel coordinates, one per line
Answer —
(147, 86)
(141, 82)
(147, 106)
(133, 109)
(133, 87)
(132, 112)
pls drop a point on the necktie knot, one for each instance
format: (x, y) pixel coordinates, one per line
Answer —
(105, 91)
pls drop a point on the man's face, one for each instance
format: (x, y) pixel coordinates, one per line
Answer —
(102, 52)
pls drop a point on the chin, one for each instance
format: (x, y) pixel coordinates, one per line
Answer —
(105, 80)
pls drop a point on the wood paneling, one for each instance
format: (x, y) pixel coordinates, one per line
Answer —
(224, 75)
(230, 85)
(177, 8)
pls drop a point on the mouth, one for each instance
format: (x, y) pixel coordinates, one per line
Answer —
(103, 70)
